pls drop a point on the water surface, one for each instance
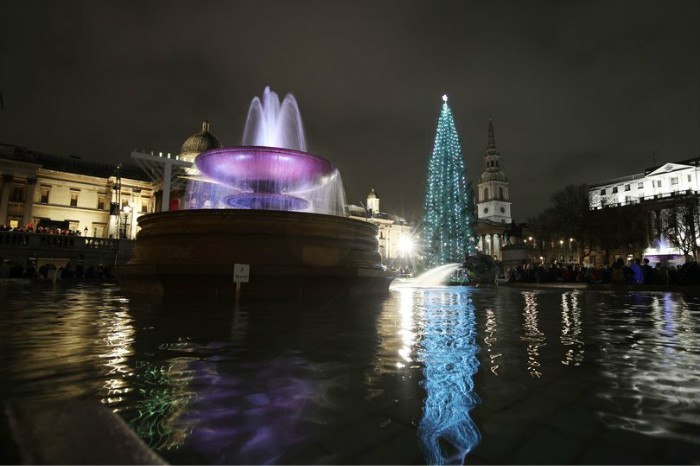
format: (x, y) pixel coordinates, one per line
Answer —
(444, 375)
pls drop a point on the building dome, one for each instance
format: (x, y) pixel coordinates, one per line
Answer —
(198, 143)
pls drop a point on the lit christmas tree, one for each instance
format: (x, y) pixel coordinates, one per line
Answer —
(447, 221)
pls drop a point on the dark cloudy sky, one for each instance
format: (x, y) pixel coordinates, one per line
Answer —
(579, 91)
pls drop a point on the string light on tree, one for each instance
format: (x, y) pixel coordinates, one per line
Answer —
(447, 225)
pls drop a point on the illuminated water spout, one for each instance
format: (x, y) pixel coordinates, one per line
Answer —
(271, 170)
(273, 123)
(431, 278)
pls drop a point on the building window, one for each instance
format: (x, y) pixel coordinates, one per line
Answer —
(627, 187)
(640, 185)
(674, 180)
(500, 190)
(486, 210)
(657, 183)
(73, 199)
(45, 195)
(144, 206)
(486, 194)
(602, 192)
(614, 191)
(101, 202)
(18, 194)
(689, 179)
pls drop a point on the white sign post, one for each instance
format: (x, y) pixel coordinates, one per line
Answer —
(241, 274)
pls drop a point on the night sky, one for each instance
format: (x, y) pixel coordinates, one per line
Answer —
(579, 91)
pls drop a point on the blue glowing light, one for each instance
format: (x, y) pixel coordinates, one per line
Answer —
(448, 353)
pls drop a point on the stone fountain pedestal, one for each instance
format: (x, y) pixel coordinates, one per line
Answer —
(191, 254)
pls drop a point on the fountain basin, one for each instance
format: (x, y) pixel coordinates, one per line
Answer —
(263, 169)
(191, 253)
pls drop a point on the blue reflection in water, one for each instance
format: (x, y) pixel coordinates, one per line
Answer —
(448, 352)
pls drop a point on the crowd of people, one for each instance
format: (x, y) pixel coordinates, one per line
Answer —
(41, 230)
(634, 272)
(47, 271)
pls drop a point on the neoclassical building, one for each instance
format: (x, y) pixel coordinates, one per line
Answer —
(655, 183)
(652, 192)
(96, 199)
(493, 204)
(393, 233)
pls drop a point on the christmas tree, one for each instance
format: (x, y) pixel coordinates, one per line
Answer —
(448, 232)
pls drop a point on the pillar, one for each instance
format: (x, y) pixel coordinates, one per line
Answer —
(5, 197)
(29, 202)
(165, 206)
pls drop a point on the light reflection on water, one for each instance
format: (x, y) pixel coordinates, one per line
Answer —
(571, 337)
(652, 365)
(448, 353)
(396, 380)
(532, 334)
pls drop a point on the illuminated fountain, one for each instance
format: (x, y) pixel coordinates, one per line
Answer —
(268, 204)
(271, 170)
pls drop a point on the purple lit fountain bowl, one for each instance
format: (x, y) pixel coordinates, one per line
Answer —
(260, 169)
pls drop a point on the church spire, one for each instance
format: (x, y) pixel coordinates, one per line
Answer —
(492, 137)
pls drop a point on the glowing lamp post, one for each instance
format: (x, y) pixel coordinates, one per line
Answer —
(127, 210)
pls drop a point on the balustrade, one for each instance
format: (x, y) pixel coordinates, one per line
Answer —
(37, 240)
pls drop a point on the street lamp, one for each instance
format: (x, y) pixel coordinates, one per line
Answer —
(561, 247)
(571, 249)
(126, 209)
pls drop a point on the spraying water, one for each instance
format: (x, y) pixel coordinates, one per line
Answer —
(431, 278)
(274, 124)
(271, 170)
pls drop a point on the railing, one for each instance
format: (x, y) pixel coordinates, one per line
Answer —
(654, 197)
(19, 239)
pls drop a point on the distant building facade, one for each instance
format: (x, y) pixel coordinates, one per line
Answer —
(71, 193)
(653, 193)
(393, 232)
(654, 184)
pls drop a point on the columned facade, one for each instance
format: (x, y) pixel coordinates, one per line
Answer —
(5, 196)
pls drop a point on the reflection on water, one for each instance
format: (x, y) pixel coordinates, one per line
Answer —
(652, 357)
(116, 333)
(379, 381)
(533, 336)
(448, 353)
(164, 396)
(571, 337)
(490, 340)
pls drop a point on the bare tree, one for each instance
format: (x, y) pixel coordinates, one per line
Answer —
(680, 224)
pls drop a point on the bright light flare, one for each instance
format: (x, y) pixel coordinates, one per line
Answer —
(407, 245)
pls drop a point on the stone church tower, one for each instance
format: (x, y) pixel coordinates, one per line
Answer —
(493, 202)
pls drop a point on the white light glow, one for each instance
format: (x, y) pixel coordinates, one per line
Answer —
(406, 244)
